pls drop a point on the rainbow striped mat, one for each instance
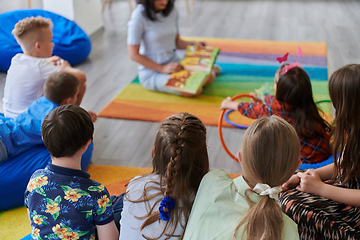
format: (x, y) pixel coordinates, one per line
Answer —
(246, 65)
(14, 223)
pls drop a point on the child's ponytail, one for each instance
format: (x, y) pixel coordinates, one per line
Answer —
(270, 154)
(263, 220)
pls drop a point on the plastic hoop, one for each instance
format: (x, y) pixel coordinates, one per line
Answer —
(220, 125)
(323, 101)
(226, 118)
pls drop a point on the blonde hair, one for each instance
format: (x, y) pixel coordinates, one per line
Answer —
(26, 31)
(270, 152)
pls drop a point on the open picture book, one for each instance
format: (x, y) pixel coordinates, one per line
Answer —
(197, 65)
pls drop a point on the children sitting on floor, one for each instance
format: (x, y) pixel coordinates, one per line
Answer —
(246, 207)
(293, 102)
(24, 131)
(62, 201)
(330, 210)
(29, 70)
(157, 205)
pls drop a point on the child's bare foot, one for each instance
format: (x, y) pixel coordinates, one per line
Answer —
(93, 116)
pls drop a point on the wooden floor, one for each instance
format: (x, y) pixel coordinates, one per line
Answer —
(108, 68)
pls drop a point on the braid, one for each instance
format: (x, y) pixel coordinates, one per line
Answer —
(175, 161)
(180, 159)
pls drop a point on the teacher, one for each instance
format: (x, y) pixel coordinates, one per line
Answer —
(153, 37)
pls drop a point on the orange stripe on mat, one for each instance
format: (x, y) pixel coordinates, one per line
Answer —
(209, 115)
(265, 47)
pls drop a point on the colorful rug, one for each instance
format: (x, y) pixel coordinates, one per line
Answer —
(246, 65)
(14, 223)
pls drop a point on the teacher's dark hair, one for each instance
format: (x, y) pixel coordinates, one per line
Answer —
(150, 8)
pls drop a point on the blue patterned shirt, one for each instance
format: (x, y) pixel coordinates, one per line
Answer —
(66, 204)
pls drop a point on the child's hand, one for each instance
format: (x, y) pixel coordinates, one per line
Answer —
(255, 96)
(227, 103)
(310, 182)
(172, 67)
(64, 64)
(53, 60)
(291, 183)
(93, 116)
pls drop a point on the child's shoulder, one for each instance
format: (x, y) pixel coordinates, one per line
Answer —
(216, 179)
(139, 182)
(217, 174)
(37, 173)
(29, 65)
(22, 58)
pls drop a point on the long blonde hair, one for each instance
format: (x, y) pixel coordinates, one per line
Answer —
(270, 152)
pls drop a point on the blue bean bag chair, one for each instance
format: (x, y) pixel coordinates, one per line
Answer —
(71, 42)
(328, 161)
(15, 173)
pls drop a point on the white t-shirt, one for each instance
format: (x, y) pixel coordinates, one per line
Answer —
(24, 82)
(130, 225)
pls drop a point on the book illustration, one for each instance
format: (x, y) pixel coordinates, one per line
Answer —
(187, 81)
(197, 65)
(199, 59)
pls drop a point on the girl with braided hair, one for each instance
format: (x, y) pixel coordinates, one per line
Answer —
(246, 207)
(157, 205)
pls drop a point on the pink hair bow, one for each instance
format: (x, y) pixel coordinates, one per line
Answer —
(290, 66)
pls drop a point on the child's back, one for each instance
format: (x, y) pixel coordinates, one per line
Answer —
(246, 206)
(294, 103)
(157, 205)
(20, 133)
(219, 207)
(62, 201)
(29, 70)
(24, 82)
(66, 202)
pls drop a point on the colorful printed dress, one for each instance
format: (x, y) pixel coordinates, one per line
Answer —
(313, 150)
(65, 203)
(322, 218)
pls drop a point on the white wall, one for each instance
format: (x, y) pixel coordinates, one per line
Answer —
(9, 5)
(86, 13)
(64, 8)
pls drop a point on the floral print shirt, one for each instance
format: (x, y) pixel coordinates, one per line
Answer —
(65, 203)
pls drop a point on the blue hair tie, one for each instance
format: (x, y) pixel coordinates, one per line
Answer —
(167, 204)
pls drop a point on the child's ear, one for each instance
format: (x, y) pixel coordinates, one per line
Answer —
(239, 157)
(85, 146)
(37, 46)
(66, 101)
(88, 143)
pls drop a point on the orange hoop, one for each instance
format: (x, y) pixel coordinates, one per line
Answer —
(221, 120)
